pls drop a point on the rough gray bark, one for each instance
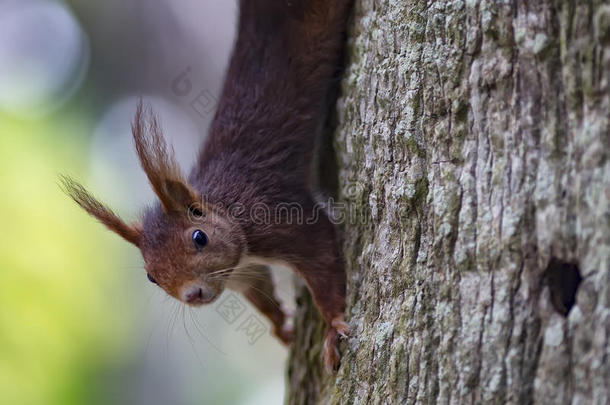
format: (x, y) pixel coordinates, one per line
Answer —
(472, 145)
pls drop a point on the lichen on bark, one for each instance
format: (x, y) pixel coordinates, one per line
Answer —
(472, 143)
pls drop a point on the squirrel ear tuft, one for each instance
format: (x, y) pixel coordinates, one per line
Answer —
(156, 157)
(131, 233)
(159, 163)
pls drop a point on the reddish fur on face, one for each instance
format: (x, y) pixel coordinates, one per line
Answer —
(171, 256)
(259, 153)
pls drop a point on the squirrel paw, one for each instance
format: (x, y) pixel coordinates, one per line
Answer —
(340, 325)
(331, 352)
(288, 312)
(285, 334)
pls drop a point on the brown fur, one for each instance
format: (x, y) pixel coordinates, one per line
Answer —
(259, 151)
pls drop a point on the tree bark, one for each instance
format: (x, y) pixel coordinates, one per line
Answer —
(472, 150)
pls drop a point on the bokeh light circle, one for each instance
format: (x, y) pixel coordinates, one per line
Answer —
(44, 56)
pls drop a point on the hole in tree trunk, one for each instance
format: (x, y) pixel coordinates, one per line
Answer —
(563, 279)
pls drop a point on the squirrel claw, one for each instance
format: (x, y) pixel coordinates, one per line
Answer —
(340, 326)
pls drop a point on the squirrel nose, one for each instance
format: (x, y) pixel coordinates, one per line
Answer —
(197, 295)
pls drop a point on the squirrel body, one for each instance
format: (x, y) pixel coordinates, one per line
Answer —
(206, 233)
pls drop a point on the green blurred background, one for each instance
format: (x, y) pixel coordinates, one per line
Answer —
(79, 322)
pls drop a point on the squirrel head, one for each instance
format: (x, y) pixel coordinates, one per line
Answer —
(189, 246)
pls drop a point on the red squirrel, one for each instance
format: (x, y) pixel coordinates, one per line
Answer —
(259, 154)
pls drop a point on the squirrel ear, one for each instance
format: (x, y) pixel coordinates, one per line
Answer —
(182, 195)
(131, 233)
(157, 160)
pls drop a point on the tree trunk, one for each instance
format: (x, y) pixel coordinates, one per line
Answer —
(472, 151)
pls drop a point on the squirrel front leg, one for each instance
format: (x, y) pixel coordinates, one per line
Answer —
(324, 274)
(257, 286)
(329, 297)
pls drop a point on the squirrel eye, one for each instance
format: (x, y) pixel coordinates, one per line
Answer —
(200, 239)
(151, 278)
